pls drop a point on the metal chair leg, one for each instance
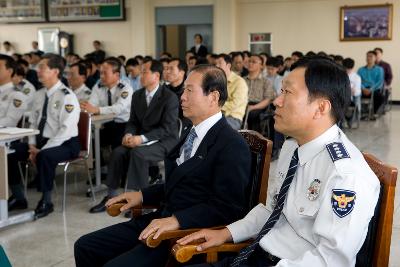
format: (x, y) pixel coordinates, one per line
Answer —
(65, 186)
(90, 181)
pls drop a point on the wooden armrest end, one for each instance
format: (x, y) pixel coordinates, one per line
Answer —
(184, 253)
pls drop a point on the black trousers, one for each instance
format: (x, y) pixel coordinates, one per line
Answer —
(118, 246)
(46, 162)
(133, 163)
(112, 133)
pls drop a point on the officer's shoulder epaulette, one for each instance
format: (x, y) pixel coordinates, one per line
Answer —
(120, 85)
(337, 151)
(65, 91)
(22, 83)
(100, 85)
(88, 92)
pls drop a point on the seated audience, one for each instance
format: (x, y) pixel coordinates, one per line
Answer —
(76, 79)
(133, 69)
(234, 108)
(238, 64)
(355, 82)
(30, 74)
(13, 102)
(55, 114)
(273, 65)
(111, 96)
(261, 92)
(151, 132)
(372, 80)
(24, 86)
(206, 176)
(307, 221)
(387, 69)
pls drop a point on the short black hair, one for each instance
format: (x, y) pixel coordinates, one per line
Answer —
(132, 62)
(378, 49)
(97, 42)
(371, 52)
(199, 35)
(348, 63)
(164, 60)
(115, 63)
(28, 55)
(156, 66)
(310, 54)
(19, 71)
(324, 78)
(247, 53)
(55, 62)
(236, 54)
(214, 79)
(6, 43)
(165, 53)
(226, 58)
(338, 58)
(194, 57)
(23, 62)
(298, 54)
(274, 62)
(9, 63)
(182, 66)
(82, 67)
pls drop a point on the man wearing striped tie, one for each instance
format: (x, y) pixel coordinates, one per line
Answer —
(324, 194)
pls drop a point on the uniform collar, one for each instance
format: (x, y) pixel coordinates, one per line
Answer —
(6, 86)
(309, 150)
(203, 127)
(232, 76)
(54, 88)
(152, 93)
(80, 89)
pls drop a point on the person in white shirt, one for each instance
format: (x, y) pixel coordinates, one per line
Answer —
(13, 103)
(111, 96)
(273, 65)
(55, 113)
(23, 85)
(76, 77)
(355, 82)
(324, 194)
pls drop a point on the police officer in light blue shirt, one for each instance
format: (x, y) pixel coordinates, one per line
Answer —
(323, 195)
(133, 70)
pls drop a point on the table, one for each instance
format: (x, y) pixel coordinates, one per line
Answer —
(97, 122)
(5, 140)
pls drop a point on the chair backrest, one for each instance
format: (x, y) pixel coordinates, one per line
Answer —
(376, 248)
(261, 152)
(4, 262)
(84, 131)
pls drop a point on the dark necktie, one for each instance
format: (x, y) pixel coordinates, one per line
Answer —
(247, 251)
(109, 97)
(42, 122)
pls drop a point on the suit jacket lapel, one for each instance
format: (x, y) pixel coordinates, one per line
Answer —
(153, 103)
(201, 153)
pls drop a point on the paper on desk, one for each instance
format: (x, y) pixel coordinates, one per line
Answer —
(15, 130)
(149, 143)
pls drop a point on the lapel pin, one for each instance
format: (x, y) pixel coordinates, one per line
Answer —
(313, 190)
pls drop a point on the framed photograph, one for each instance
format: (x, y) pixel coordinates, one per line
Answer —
(22, 11)
(364, 23)
(48, 40)
(90, 10)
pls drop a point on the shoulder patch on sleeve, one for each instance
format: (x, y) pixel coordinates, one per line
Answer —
(65, 91)
(343, 202)
(124, 94)
(88, 92)
(17, 103)
(337, 151)
(69, 108)
(120, 85)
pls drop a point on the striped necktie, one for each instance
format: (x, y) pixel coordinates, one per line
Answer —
(247, 251)
(188, 145)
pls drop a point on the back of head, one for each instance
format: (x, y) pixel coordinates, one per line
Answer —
(114, 62)
(213, 79)
(326, 79)
(348, 63)
(9, 63)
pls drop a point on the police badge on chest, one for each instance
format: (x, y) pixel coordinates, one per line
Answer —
(313, 189)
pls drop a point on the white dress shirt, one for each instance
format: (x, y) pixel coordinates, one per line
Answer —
(201, 131)
(13, 104)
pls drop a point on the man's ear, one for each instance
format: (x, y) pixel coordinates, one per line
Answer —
(323, 108)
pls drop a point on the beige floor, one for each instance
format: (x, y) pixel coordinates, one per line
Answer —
(49, 241)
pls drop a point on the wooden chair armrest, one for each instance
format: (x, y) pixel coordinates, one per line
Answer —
(184, 253)
(172, 235)
(114, 210)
